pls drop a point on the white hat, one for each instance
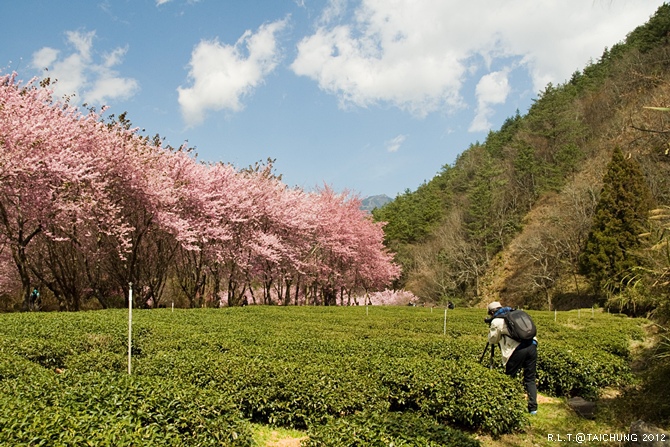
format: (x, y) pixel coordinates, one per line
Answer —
(494, 306)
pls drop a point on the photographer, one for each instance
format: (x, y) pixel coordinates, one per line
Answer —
(516, 353)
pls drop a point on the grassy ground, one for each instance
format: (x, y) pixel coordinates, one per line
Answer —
(277, 437)
(555, 420)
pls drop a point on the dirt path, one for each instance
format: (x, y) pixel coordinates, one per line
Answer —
(285, 442)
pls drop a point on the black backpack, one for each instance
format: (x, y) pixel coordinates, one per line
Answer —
(519, 325)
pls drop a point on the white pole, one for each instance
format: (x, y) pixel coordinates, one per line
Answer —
(445, 321)
(554, 314)
(130, 323)
(173, 306)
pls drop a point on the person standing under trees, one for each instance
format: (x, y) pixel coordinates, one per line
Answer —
(515, 354)
(35, 302)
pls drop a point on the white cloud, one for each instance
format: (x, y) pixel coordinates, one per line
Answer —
(394, 144)
(115, 57)
(492, 88)
(45, 57)
(188, 2)
(417, 56)
(222, 74)
(108, 87)
(333, 10)
(82, 42)
(78, 74)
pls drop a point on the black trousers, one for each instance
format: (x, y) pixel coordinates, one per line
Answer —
(525, 356)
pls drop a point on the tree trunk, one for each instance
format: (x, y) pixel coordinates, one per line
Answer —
(21, 261)
(297, 291)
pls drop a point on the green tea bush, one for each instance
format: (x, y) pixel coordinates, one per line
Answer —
(107, 409)
(465, 395)
(50, 354)
(297, 394)
(579, 371)
(13, 366)
(372, 429)
(96, 361)
(201, 375)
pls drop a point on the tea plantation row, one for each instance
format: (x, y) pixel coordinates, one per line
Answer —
(348, 376)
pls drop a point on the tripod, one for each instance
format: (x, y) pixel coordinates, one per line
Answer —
(493, 348)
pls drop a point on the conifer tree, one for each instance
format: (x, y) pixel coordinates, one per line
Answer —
(610, 255)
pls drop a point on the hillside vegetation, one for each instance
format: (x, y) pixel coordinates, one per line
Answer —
(553, 210)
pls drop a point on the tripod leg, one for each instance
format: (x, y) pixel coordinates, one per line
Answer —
(493, 348)
(481, 359)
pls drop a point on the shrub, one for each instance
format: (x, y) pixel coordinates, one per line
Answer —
(579, 371)
(107, 409)
(366, 429)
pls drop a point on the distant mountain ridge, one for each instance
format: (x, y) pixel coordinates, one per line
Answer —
(372, 202)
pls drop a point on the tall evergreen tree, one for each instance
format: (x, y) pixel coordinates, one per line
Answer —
(610, 251)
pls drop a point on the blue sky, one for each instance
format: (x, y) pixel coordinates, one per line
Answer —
(370, 96)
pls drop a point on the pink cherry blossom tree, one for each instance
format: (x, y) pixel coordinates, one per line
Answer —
(49, 184)
(88, 206)
(347, 252)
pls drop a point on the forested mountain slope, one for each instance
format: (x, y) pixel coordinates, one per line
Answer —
(513, 217)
